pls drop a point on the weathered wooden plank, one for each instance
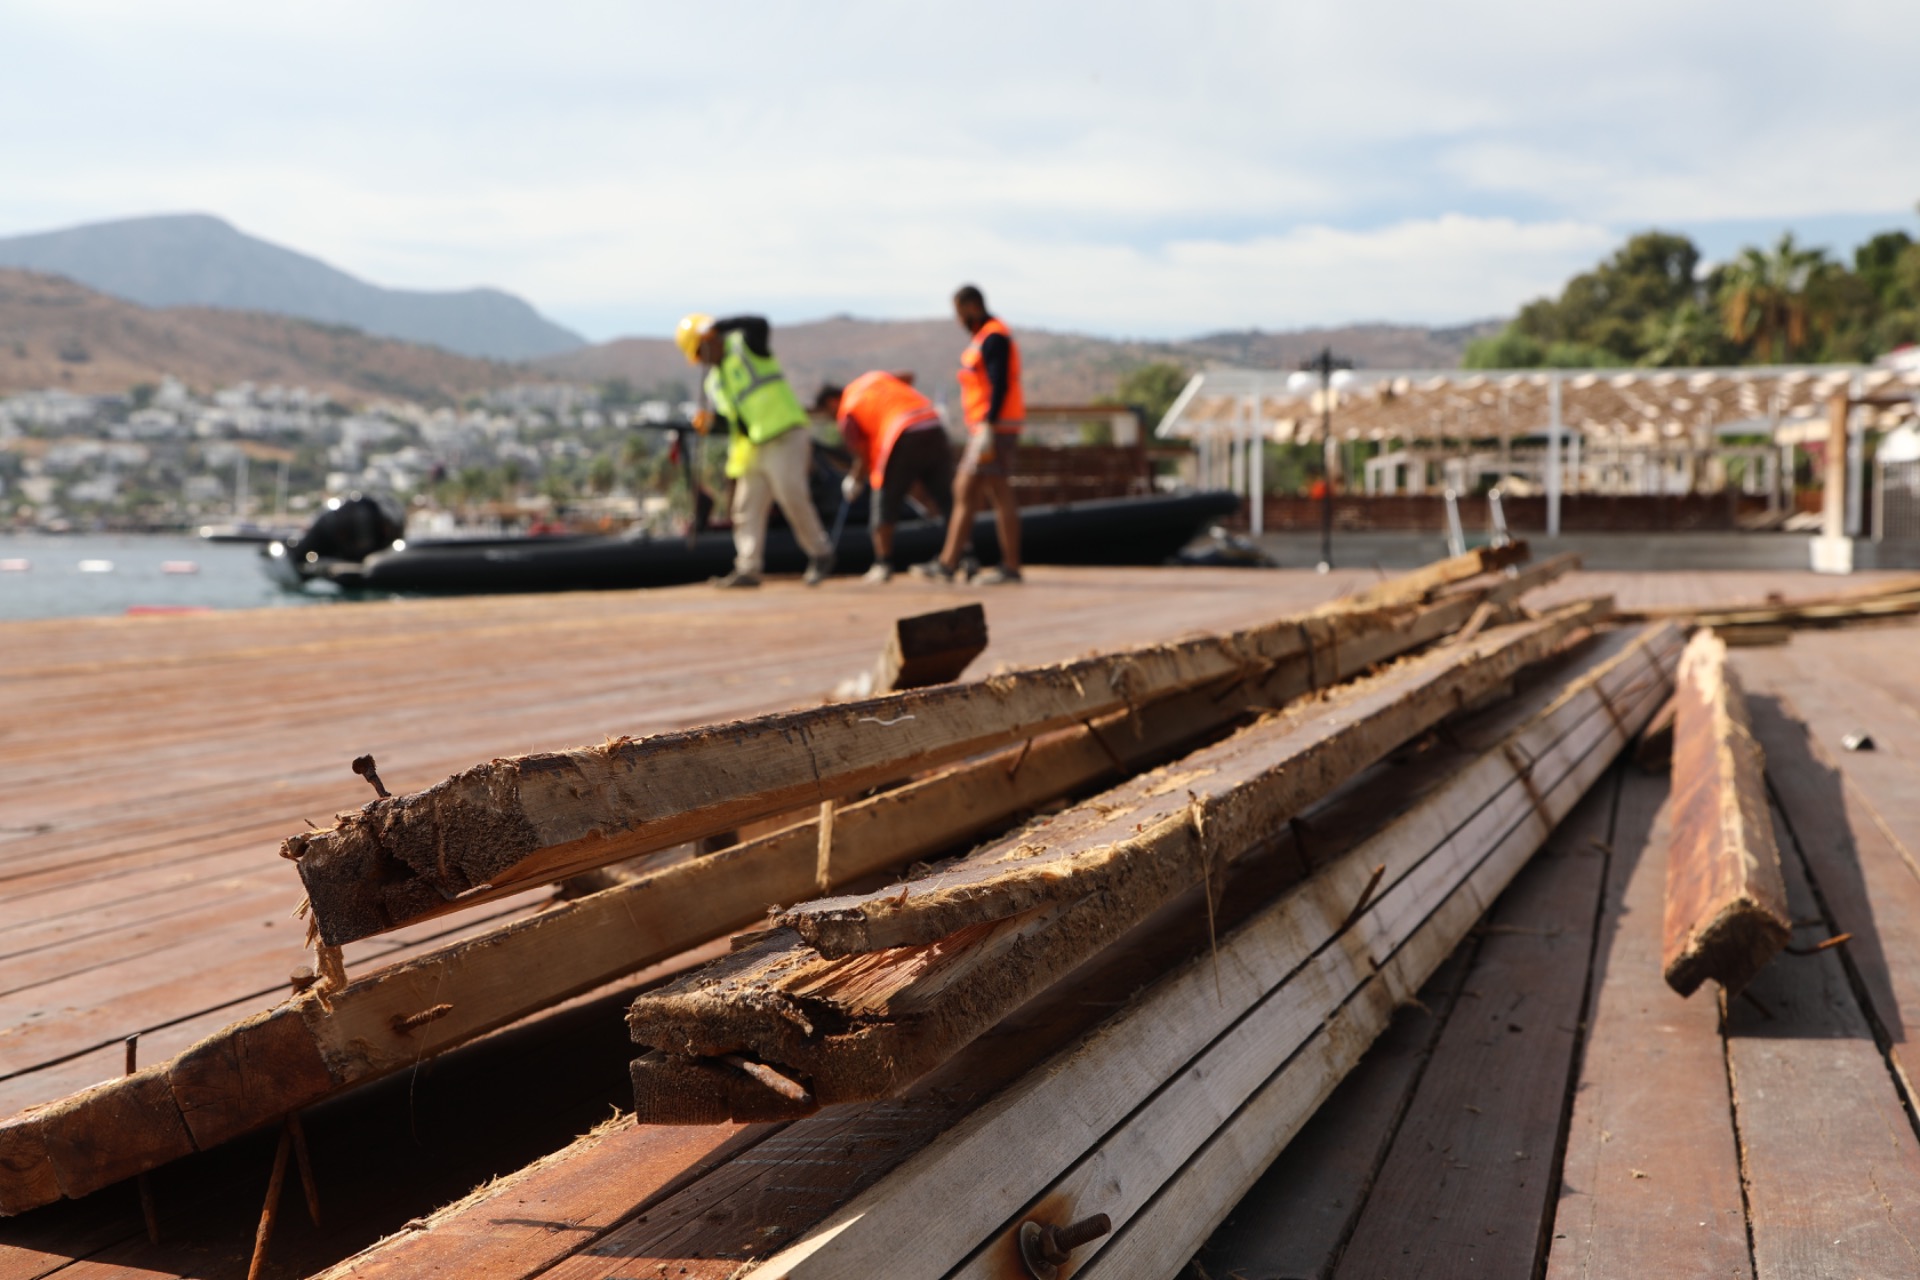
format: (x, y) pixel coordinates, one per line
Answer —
(1726, 910)
(525, 1222)
(1191, 1197)
(1265, 774)
(1466, 1185)
(931, 648)
(280, 1060)
(1831, 1164)
(863, 1026)
(1650, 1183)
(1417, 585)
(1293, 1222)
(1443, 862)
(538, 818)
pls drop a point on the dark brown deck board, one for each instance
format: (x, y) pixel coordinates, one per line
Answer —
(1829, 1157)
(1292, 1223)
(1650, 1184)
(1466, 1185)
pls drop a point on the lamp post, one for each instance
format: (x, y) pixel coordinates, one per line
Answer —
(1333, 371)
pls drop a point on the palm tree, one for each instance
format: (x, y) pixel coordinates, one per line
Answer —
(1769, 298)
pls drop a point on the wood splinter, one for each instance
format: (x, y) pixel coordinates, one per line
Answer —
(1726, 911)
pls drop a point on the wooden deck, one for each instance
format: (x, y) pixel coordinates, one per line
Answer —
(154, 764)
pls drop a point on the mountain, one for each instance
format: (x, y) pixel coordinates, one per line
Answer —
(1060, 368)
(55, 333)
(198, 260)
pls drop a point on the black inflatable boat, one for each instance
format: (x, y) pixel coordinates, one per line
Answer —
(357, 545)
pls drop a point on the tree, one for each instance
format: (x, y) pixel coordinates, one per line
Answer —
(1151, 389)
(1771, 298)
(1607, 309)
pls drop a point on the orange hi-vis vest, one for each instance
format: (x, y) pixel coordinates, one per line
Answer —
(976, 389)
(877, 409)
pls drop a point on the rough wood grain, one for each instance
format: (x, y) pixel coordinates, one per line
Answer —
(1292, 1223)
(1726, 909)
(1417, 585)
(532, 819)
(252, 1072)
(863, 1026)
(1188, 1199)
(931, 648)
(937, 1208)
(1650, 1184)
(1265, 774)
(1466, 1186)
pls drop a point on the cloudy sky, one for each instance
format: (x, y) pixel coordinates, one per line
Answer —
(1145, 169)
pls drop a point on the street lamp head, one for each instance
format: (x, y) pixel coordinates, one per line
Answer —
(1341, 378)
(1300, 382)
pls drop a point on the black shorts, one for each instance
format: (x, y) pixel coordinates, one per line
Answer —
(920, 456)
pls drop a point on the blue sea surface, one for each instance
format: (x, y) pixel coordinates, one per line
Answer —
(53, 585)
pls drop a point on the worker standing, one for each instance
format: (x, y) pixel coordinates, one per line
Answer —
(769, 451)
(994, 407)
(897, 442)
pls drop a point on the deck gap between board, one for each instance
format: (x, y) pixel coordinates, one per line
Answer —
(1543, 1246)
(1856, 982)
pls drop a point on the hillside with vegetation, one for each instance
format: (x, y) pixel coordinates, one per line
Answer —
(1656, 303)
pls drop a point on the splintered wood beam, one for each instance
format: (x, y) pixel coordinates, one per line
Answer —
(1726, 902)
(1413, 587)
(931, 648)
(1163, 1116)
(862, 1026)
(261, 1068)
(1191, 814)
(504, 826)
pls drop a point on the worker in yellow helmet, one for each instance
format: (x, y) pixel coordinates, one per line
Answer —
(770, 452)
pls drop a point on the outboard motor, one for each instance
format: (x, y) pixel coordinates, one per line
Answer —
(350, 529)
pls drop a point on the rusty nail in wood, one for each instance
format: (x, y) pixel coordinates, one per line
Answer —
(1838, 939)
(1366, 896)
(133, 1051)
(301, 978)
(405, 1023)
(364, 766)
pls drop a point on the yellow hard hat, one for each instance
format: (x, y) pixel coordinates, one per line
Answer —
(687, 337)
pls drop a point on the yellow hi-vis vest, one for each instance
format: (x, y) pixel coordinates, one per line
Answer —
(753, 393)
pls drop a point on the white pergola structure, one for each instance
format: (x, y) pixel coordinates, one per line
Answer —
(1597, 430)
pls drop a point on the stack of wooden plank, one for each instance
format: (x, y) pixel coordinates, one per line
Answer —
(1210, 871)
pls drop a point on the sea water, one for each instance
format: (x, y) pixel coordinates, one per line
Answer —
(80, 575)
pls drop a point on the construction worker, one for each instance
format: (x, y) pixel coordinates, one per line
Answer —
(897, 442)
(769, 452)
(994, 408)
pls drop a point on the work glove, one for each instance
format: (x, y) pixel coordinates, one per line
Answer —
(850, 486)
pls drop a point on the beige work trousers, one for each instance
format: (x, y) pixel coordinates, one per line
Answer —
(778, 474)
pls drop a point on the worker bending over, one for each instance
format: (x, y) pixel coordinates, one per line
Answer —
(769, 453)
(897, 441)
(994, 408)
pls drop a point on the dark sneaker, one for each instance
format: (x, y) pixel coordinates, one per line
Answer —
(997, 576)
(735, 579)
(819, 569)
(935, 570)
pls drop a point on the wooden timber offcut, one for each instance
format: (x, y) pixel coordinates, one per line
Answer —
(1726, 902)
(864, 1025)
(504, 826)
(1165, 1114)
(264, 1067)
(1409, 588)
(931, 648)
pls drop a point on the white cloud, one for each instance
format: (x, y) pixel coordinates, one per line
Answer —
(1128, 167)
